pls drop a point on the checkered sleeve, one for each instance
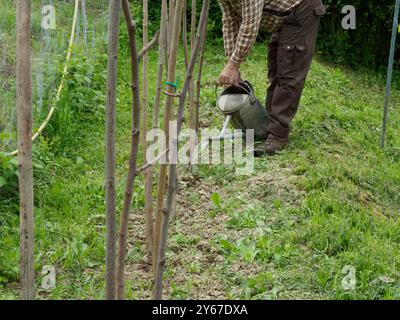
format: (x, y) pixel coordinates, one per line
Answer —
(231, 24)
(252, 11)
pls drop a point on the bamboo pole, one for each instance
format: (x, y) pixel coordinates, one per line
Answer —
(112, 67)
(133, 154)
(162, 180)
(172, 181)
(24, 123)
(148, 183)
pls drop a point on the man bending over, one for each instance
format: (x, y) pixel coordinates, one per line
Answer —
(294, 26)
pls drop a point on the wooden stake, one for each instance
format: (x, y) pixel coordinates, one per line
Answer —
(148, 183)
(24, 123)
(172, 181)
(113, 33)
(133, 154)
(168, 111)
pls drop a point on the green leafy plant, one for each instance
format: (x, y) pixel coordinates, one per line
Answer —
(8, 174)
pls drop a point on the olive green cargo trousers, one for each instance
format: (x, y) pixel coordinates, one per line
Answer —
(290, 54)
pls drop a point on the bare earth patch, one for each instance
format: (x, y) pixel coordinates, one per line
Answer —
(194, 263)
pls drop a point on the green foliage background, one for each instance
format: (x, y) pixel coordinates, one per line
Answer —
(367, 46)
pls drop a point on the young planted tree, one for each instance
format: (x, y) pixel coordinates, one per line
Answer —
(162, 63)
(132, 170)
(24, 124)
(162, 180)
(172, 180)
(113, 33)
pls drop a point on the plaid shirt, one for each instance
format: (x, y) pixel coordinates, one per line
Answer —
(242, 19)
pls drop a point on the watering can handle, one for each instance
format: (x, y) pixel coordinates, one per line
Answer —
(244, 88)
(248, 91)
(239, 85)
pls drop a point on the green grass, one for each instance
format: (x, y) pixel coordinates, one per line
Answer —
(330, 200)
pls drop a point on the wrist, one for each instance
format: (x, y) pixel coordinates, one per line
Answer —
(233, 65)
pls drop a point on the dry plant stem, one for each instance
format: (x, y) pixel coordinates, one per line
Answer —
(168, 111)
(162, 57)
(185, 35)
(193, 24)
(24, 124)
(172, 181)
(110, 149)
(198, 87)
(151, 163)
(191, 85)
(133, 154)
(84, 23)
(170, 23)
(148, 183)
(175, 22)
(146, 48)
(199, 78)
(161, 66)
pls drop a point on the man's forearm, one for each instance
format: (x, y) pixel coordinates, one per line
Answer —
(231, 25)
(250, 23)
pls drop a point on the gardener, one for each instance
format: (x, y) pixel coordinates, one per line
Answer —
(294, 26)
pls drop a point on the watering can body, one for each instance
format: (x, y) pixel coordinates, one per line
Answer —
(246, 111)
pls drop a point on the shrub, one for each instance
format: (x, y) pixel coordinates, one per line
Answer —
(366, 46)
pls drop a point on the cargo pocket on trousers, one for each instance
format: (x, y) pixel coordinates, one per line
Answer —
(291, 59)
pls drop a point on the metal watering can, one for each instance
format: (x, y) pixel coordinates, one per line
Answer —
(241, 108)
